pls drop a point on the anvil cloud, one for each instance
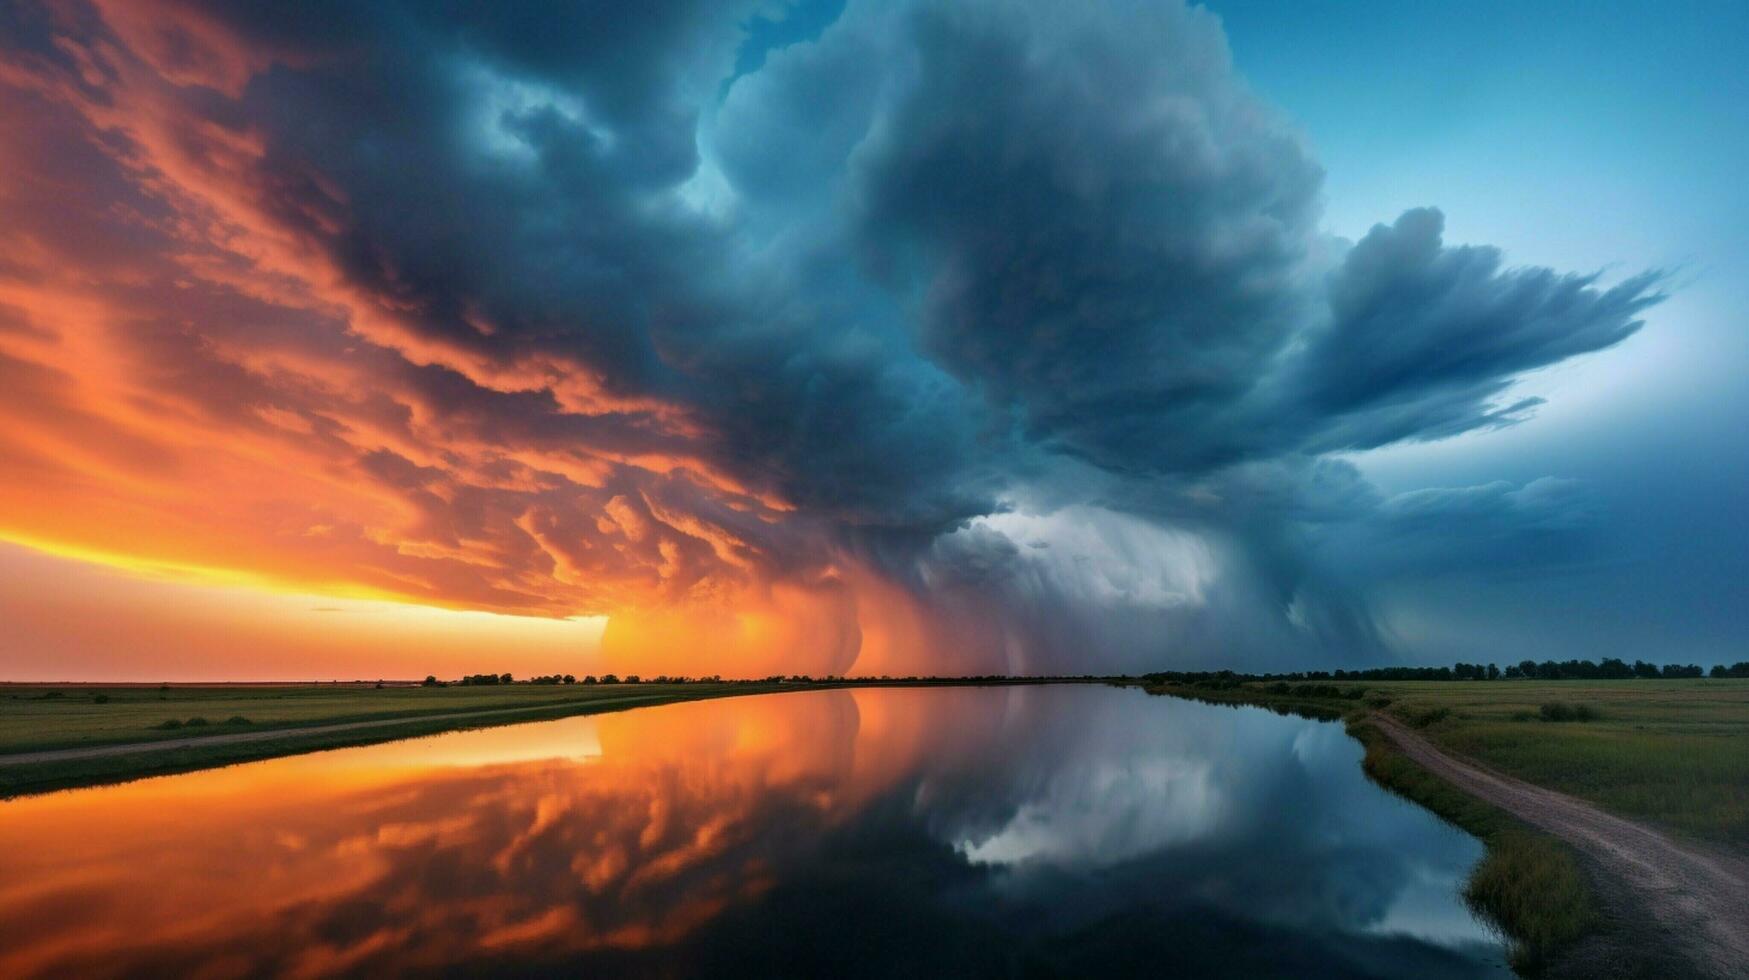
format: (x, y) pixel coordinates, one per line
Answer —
(956, 338)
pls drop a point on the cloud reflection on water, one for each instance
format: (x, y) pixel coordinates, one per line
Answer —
(1033, 830)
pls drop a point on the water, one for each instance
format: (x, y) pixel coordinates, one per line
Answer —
(1022, 831)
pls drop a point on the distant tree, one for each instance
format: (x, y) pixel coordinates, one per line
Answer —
(570, 678)
(633, 679)
(1643, 669)
(505, 679)
(609, 679)
(429, 681)
(590, 679)
(1718, 671)
(1493, 672)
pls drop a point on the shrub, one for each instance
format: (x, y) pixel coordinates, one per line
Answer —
(238, 720)
(1429, 716)
(99, 699)
(169, 723)
(1561, 711)
(196, 722)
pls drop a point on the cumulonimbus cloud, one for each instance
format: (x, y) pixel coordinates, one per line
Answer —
(563, 311)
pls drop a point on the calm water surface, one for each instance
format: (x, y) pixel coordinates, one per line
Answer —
(1026, 831)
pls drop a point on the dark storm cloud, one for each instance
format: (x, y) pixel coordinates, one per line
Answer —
(1095, 224)
(1423, 338)
(937, 263)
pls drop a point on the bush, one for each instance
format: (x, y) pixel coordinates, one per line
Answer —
(238, 720)
(1429, 716)
(100, 699)
(169, 723)
(1561, 711)
(196, 722)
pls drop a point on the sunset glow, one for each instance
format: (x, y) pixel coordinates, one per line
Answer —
(377, 342)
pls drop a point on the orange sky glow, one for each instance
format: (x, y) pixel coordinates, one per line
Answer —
(200, 404)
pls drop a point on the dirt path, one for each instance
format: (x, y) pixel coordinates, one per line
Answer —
(268, 735)
(1699, 898)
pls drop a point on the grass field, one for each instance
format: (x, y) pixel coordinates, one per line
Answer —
(1671, 752)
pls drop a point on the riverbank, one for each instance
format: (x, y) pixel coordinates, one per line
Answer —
(1669, 754)
(62, 736)
(65, 736)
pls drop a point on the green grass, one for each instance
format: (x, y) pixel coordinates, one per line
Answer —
(1674, 753)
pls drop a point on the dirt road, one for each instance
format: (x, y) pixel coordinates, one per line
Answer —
(268, 735)
(1698, 897)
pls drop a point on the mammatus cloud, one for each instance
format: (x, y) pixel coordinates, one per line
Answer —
(993, 337)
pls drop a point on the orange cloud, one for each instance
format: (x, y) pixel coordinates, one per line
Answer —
(193, 386)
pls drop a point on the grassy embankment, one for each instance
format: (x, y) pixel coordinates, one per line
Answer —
(61, 716)
(1672, 753)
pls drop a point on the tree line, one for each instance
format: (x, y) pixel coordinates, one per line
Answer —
(1610, 668)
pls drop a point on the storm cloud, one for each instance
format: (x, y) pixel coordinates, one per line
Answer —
(970, 337)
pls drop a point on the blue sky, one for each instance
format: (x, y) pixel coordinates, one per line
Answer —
(1584, 136)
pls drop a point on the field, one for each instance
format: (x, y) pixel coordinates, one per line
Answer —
(1674, 753)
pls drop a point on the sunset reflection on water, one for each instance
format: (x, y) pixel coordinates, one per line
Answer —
(915, 825)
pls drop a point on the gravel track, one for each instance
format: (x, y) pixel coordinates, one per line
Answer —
(1698, 896)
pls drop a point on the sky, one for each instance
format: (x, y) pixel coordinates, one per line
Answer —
(347, 340)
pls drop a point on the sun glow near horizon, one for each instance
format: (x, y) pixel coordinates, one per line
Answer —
(122, 619)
